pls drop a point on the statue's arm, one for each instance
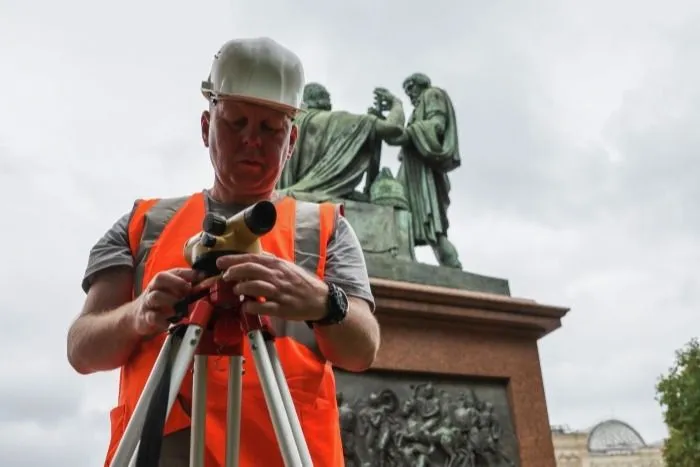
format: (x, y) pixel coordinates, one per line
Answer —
(392, 126)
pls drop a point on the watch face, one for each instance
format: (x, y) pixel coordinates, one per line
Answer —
(339, 304)
(342, 300)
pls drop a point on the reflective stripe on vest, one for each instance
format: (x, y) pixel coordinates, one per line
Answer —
(158, 229)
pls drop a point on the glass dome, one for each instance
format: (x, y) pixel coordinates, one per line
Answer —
(614, 435)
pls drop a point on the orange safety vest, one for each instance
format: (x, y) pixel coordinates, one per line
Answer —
(310, 377)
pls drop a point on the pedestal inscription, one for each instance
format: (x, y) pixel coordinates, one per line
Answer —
(395, 420)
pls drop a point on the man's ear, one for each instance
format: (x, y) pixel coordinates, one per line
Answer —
(293, 135)
(206, 118)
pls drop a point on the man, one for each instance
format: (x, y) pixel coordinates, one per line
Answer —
(429, 151)
(335, 149)
(136, 273)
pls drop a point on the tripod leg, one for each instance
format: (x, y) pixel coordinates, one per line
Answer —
(233, 415)
(199, 410)
(130, 440)
(182, 362)
(289, 404)
(283, 431)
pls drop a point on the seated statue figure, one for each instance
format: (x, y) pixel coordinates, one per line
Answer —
(335, 149)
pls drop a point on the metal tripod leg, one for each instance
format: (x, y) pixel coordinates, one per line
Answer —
(233, 418)
(130, 439)
(288, 404)
(181, 364)
(199, 410)
(275, 405)
(233, 414)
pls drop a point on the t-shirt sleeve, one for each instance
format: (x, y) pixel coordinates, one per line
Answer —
(112, 250)
(345, 262)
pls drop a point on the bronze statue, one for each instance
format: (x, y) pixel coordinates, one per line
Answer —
(429, 151)
(335, 149)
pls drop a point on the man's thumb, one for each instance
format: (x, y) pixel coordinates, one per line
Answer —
(186, 273)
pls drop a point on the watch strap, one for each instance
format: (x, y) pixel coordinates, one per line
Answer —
(336, 307)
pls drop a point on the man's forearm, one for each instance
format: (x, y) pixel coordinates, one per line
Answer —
(352, 344)
(102, 341)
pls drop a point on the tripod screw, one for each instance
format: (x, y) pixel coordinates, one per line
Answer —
(214, 224)
(207, 240)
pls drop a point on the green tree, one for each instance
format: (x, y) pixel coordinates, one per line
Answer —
(678, 392)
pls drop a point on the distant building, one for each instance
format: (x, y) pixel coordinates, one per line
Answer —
(611, 443)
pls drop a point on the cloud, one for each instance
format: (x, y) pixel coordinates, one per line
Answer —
(578, 134)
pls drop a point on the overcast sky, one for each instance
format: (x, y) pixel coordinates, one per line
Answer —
(579, 136)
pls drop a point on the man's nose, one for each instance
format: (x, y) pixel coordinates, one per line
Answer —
(251, 138)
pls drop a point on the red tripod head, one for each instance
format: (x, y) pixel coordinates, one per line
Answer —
(214, 306)
(224, 324)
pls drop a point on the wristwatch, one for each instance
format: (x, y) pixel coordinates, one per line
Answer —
(336, 307)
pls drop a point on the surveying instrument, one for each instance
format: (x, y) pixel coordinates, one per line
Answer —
(210, 322)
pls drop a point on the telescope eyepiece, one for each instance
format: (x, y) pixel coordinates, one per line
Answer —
(261, 217)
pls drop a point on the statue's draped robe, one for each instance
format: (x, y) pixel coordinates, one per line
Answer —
(426, 161)
(333, 151)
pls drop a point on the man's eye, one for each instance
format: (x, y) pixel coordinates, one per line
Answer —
(267, 127)
(240, 123)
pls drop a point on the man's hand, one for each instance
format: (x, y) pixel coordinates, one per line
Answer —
(288, 291)
(155, 304)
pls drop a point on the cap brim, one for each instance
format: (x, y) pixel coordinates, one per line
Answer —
(287, 109)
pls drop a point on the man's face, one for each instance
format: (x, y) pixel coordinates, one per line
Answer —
(413, 91)
(248, 145)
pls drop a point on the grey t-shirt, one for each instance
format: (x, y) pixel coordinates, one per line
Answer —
(345, 263)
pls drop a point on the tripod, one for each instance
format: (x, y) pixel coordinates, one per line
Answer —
(216, 326)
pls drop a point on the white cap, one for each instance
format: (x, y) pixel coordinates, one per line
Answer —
(257, 70)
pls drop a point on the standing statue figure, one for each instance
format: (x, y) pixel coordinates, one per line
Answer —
(429, 151)
(335, 149)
